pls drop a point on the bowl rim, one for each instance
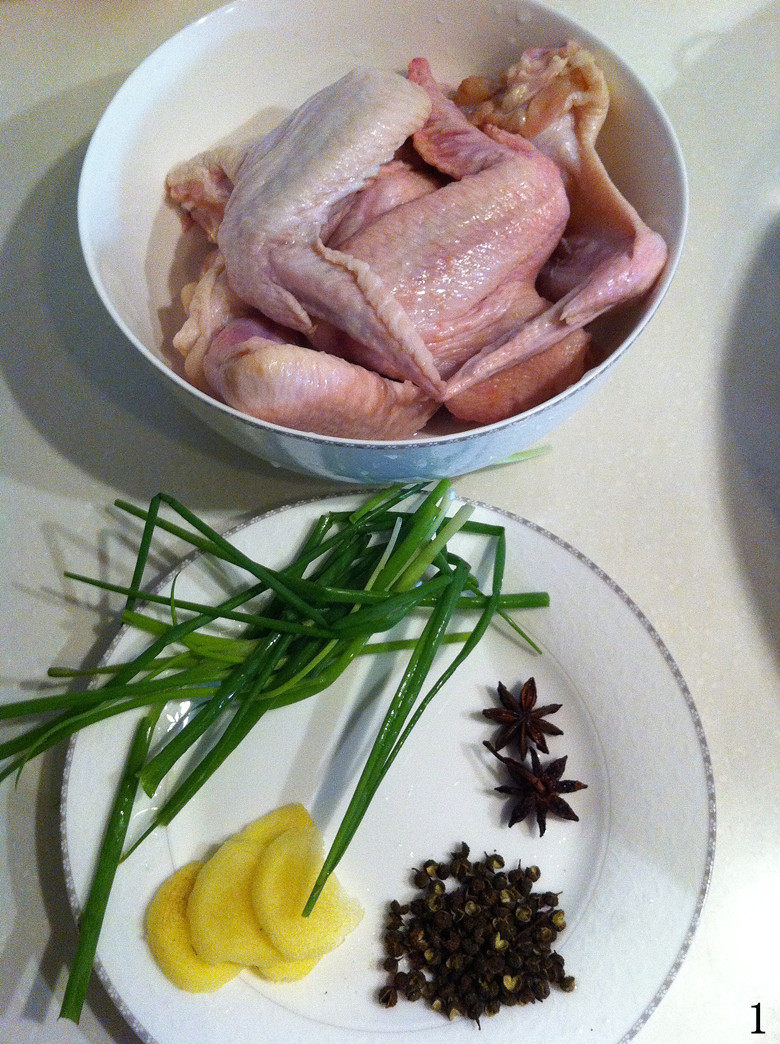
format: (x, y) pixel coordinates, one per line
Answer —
(657, 292)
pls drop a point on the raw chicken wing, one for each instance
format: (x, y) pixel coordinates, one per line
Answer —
(284, 193)
(459, 260)
(308, 390)
(210, 304)
(607, 256)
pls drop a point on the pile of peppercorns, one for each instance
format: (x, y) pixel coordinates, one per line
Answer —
(470, 949)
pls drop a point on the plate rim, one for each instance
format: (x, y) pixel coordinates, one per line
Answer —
(641, 1020)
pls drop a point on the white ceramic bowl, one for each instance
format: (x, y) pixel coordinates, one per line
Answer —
(270, 56)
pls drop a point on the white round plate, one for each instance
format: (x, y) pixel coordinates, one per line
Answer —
(633, 871)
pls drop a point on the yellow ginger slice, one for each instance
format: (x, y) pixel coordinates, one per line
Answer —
(286, 871)
(223, 926)
(270, 826)
(222, 921)
(168, 935)
(276, 968)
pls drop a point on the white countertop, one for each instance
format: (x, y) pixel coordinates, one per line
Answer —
(668, 478)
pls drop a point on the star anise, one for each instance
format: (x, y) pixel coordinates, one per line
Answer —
(522, 720)
(538, 789)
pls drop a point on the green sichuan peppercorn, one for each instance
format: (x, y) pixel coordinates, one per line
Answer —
(558, 920)
(400, 980)
(420, 878)
(394, 945)
(484, 942)
(388, 996)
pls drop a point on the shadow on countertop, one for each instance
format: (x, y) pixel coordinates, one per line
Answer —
(751, 377)
(748, 401)
(74, 376)
(750, 396)
(87, 393)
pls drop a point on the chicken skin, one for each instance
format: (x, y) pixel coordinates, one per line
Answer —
(256, 372)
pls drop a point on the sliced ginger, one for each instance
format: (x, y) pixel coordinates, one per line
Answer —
(242, 907)
(270, 826)
(277, 968)
(222, 921)
(286, 872)
(168, 934)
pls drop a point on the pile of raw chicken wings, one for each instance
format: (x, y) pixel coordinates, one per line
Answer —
(391, 250)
